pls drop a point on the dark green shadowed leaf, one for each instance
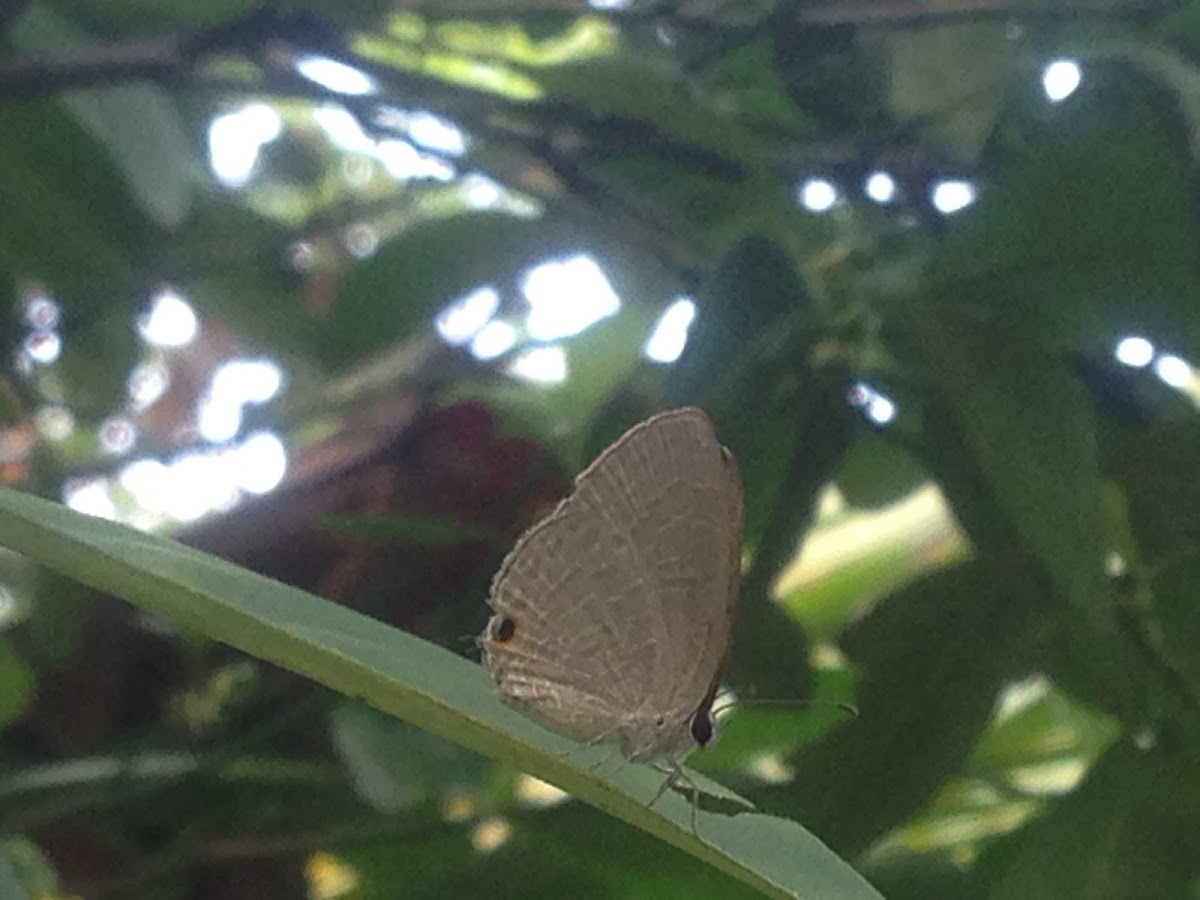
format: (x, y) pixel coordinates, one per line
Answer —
(1029, 426)
(402, 675)
(57, 618)
(933, 659)
(16, 683)
(46, 198)
(875, 472)
(1086, 230)
(1124, 834)
(392, 765)
(572, 851)
(639, 94)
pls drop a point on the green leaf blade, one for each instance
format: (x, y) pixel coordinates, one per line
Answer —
(410, 678)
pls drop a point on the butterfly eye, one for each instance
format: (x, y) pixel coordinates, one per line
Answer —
(503, 629)
(703, 728)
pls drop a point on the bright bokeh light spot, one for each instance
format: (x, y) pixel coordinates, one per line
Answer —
(670, 335)
(490, 834)
(952, 195)
(433, 132)
(458, 808)
(543, 365)
(234, 141)
(218, 419)
(42, 347)
(880, 187)
(117, 435)
(1134, 351)
(878, 408)
(361, 239)
(1173, 371)
(149, 481)
(301, 255)
(567, 296)
(10, 608)
(336, 76)
(400, 158)
(817, 195)
(329, 877)
(247, 380)
(494, 339)
(41, 310)
(539, 794)
(170, 322)
(481, 192)
(610, 4)
(1049, 778)
(342, 129)
(772, 769)
(404, 162)
(198, 483)
(881, 410)
(146, 384)
(54, 423)
(90, 497)
(235, 383)
(1060, 79)
(260, 463)
(462, 319)
(1019, 696)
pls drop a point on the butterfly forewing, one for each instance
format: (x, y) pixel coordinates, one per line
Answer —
(620, 604)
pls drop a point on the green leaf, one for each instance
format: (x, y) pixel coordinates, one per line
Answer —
(16, 683)
(749, 76)
(1156, 466)
(933, 658)
(1126, 833)
(1030, 428)
(407, 677)
(393, 765)
(958, 113)
(68, 218)
(636, 92)
(23, 864)
(56, 617)
(1179, 621)
(1086, 231)
(876, 471)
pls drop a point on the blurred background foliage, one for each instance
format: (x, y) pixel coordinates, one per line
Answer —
(346, 292)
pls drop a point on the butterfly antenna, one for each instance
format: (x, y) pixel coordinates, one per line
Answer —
(848, 708)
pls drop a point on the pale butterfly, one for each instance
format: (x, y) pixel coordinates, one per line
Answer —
(613, 616)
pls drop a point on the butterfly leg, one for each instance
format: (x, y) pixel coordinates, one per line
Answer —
(604, 761)
(675, 773)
